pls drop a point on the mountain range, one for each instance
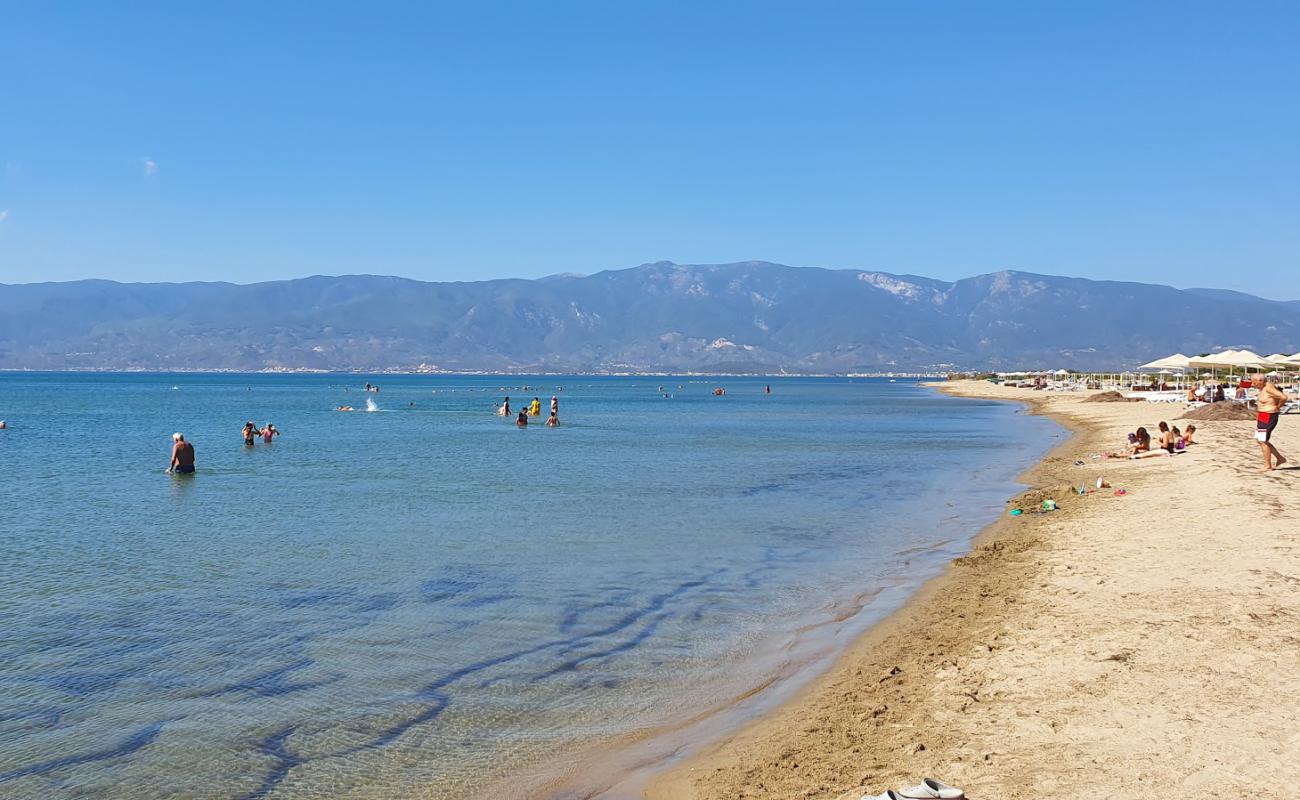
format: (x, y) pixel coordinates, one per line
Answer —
(662, 317)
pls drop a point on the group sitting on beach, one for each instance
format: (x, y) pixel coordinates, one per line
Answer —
(1170, 440)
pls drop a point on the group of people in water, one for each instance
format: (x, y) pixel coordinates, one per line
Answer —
(251, 433)
(533, 409)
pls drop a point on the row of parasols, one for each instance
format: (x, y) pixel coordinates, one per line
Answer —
(1228, 359)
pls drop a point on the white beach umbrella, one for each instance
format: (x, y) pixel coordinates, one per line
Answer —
(1176, 361)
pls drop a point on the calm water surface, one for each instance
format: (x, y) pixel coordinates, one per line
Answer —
(417, 601)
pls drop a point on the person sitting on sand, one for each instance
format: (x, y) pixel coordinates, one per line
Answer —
(1219, 396)
(552, 421)
(522, 420)
(1188, 434)
(1191, 394)
(1177, 437)
(1269, 405)
(182, 460)
(1141, 442)
(1166, 439)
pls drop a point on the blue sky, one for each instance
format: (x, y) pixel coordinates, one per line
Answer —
(244, 142)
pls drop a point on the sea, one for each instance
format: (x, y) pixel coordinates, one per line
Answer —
(419, 598)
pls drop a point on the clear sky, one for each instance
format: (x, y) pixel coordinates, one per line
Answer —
(455, 141)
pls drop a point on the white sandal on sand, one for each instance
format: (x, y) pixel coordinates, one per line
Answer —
(929, 789)
(888, 794)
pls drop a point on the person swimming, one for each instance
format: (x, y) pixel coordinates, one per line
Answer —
(343, 408)
(522, 420)
(182, 460)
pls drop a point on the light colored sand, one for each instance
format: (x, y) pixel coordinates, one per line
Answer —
(1122, 647)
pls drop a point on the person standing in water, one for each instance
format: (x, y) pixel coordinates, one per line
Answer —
(1269, 404)
(250, 434)
(522, 421)
(555, 406)
(504, 410)
(268, 432)
(182, 461)
(552, 421)
(535, 408)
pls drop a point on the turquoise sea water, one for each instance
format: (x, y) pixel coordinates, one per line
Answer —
(422, 600)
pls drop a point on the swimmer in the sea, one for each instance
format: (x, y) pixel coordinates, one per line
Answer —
(343, 408)
(182, 460)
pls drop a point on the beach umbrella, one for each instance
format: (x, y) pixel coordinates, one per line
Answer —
(1176, 361)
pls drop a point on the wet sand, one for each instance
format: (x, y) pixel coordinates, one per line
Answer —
(1123, 646)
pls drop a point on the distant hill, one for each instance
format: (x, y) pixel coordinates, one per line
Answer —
(745, 317)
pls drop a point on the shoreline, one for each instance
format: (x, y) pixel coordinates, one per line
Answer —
(622, 766)
(1005, 674)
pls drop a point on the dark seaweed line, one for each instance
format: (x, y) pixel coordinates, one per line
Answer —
(286, 760)
(140, 739)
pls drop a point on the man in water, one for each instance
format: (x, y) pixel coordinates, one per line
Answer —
(182, 455)
(552, 421)
(1269, 405)
(250, 434)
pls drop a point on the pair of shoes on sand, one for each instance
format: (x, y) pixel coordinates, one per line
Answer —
(928, 789)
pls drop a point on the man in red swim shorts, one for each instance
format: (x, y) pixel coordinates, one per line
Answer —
(1269, 405)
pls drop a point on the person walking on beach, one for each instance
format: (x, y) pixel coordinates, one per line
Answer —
(182, 461)
(1269, 408)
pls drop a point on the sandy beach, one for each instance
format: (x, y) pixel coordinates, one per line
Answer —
(1136, 645)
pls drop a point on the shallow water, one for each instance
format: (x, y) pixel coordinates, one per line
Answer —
(418, 600)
